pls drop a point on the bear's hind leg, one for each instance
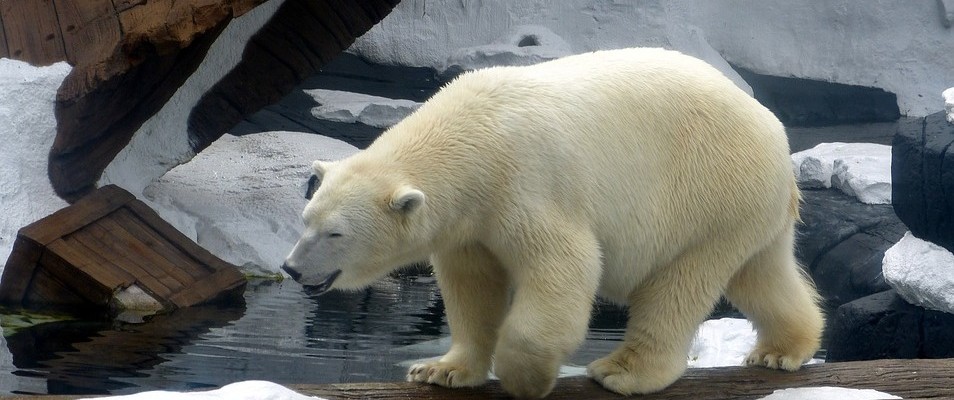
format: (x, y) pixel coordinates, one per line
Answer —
(475, 291)
(773, 292)
(665, 311)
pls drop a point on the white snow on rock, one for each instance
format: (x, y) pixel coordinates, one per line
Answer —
(162, 142)
(901, 47)
(245, 390)
(862, 170)
(490, 32)
(921, 272)
(828, 393)
(524, 45)
(351, 107)
(242, 197)
(27, 130)
(948, 96)
(722, 343)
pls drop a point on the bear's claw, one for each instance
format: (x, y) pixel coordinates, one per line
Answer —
(444, 374)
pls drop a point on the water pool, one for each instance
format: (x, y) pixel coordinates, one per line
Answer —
(280, 335)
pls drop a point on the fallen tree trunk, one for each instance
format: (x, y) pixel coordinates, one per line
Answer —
(910, 379)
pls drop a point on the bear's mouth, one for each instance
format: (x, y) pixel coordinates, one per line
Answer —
(324, 285)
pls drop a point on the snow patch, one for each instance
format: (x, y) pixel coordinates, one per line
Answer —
(721, 343)
(245, 390)
(242, 197)
(828, 393)
(922, 273)
(948, 96)
(27, 130)
(347, 107)
(862, 170)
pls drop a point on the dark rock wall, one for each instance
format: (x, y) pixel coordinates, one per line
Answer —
(841, 242)
(922, 171)
(806, 102)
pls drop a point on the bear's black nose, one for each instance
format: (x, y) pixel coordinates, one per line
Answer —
(291, 272)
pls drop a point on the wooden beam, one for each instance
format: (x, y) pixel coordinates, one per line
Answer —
(905, 378)
(90, 29)
(32, 33)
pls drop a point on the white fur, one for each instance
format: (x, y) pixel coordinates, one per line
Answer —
(641, 175)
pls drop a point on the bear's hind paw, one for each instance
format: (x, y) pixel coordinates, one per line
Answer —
(445, 374)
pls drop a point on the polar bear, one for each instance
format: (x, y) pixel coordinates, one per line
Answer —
(640, 175)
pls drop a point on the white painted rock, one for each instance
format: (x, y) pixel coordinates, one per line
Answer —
(348, 107)
(27, 130)
(921, 272)
(949, 104)
(862, 170)
(524, 45)
(245, 390)
(828, 393)
(242, 197)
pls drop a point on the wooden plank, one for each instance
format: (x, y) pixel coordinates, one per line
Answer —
(905, 378)
(4, 51)
(32, 32)
(176, 238)
(93, 251)
(146, 257)
(88, 264)
(19, 270)
(182, 267)
(48, 291)
(220, 283)
(92, 289)
(90, 29)
(116, 249)
(67, 220)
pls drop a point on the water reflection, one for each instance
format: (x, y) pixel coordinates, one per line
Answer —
(281, 335)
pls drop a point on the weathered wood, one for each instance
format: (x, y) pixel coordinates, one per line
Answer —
(16, 281)
(4, 52)
(90, 28)
(32, 30)
(107, 242)
(905, 378)
(82, 213)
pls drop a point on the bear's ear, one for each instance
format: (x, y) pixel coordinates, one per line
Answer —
(318, 170)
(406, 199)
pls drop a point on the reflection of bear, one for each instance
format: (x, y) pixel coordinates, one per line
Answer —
(644, 176)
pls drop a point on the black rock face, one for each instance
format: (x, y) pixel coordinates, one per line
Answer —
(842, 241)
(883, 325)
(806, 102)
(922, 174)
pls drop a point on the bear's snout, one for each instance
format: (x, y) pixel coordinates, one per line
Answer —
(291, 272)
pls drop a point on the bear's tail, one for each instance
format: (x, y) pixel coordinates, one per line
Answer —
(795, 202)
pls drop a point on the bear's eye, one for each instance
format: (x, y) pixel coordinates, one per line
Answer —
(334, 235)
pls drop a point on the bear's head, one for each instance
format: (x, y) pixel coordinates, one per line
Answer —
(362, 222)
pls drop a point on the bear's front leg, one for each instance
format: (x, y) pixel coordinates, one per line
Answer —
(475, 291)
(549, 316)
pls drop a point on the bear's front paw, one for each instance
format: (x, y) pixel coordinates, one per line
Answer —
(526, 375)
(445, 374)
(626, 374)
(775, 360)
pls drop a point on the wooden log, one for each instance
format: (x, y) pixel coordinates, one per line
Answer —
(4, 51)
(906, 378)
(32, 32)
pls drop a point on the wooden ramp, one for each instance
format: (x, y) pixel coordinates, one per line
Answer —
(910, 379)
(80, 257)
